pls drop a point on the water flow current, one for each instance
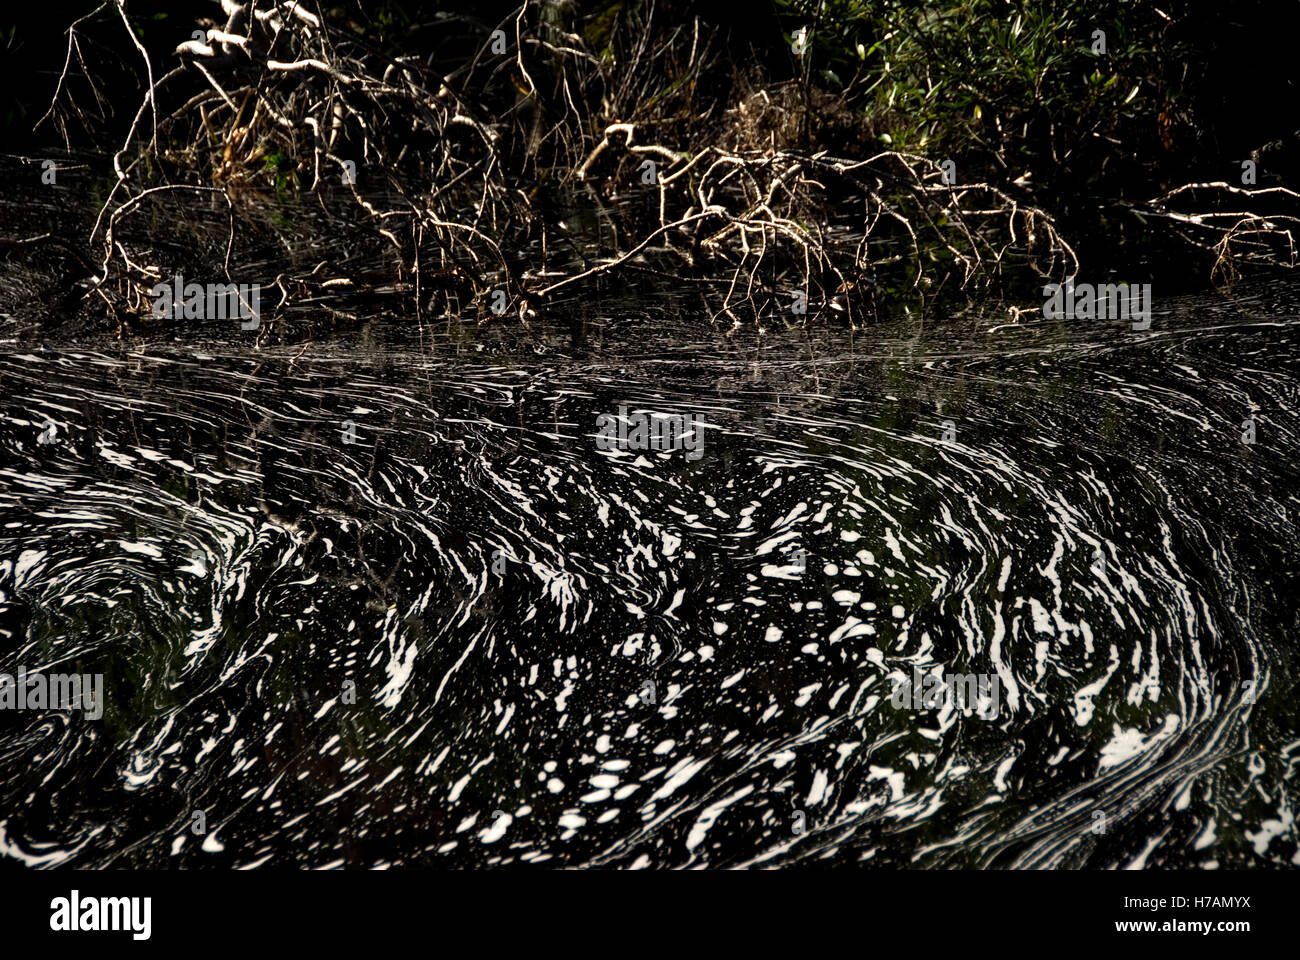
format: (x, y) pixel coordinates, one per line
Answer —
(395, 605)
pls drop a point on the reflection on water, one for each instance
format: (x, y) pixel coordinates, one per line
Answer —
(394, 604)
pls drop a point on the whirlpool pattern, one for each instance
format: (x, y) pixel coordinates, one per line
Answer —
(392, 608)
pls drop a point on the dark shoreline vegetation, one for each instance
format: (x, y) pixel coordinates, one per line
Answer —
(489, 163)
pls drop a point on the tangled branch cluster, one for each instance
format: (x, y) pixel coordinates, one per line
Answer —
(1232, 232)
(466, 177)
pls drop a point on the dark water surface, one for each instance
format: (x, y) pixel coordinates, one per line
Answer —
(563, 655)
